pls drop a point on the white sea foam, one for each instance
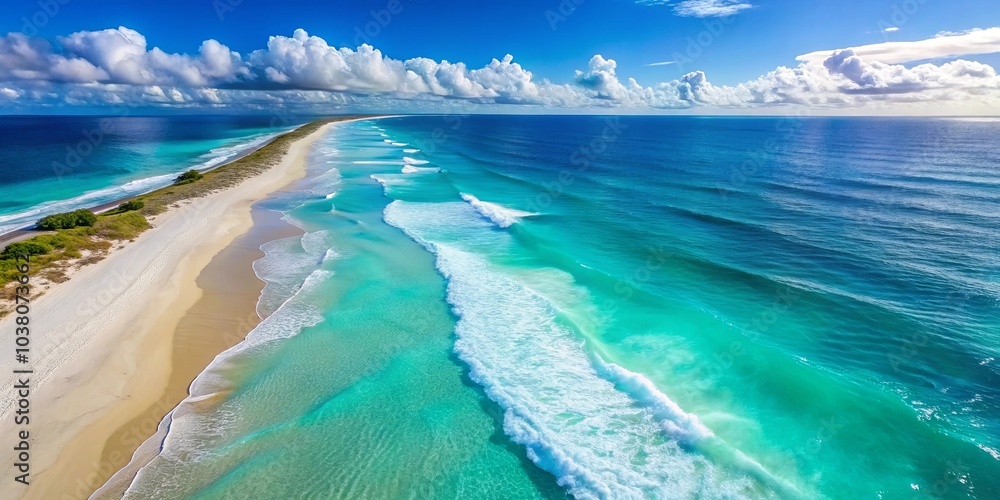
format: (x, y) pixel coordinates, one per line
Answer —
(290, 268)
(387, 180)
(414, 161)
(325, 183)
(193, 436)
(677, 423)
(410, 169)
(601, 438)
(330, 254)
(400, 144)
(499, 214)
(28, 217)
(285, 265)
(316, 243)
(411, 150)
(220, 155)
(378, 162)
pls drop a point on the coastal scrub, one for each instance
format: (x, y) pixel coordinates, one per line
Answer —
(80, 238)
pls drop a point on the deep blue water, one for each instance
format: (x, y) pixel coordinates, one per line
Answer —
(50, 164)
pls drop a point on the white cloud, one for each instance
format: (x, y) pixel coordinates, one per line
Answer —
(944, 45)
(308, 62)
(9, 94)
(874, 77)
(702, 8)
(115, 56)
(115, 67)
(891, 29)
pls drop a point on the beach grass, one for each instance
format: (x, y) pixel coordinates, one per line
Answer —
(229, 174)
(75, 247)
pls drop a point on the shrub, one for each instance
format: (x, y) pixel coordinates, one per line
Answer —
(24, 248)
(131, 205)
(188, 177)
(68, 220)
(125, 226)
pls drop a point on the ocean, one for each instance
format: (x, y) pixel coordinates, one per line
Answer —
(52, 164)
(616, 307)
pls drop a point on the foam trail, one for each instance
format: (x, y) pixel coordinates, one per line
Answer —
(220, 155)
(675, 422)
(572, 421)
(410, 169)
(499, 214)
(411, 150)
(400, 144)
(378, 162)
(190, 432)
(414, 161)
(284, 267)
(325, 183)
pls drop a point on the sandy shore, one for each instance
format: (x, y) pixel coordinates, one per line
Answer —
(118, 344)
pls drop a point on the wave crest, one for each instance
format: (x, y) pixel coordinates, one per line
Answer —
(499, 214)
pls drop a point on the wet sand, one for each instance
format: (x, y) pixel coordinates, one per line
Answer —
(126, 336)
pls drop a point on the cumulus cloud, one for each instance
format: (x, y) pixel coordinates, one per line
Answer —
(115, 56)
(703, 8)
(879, 78)
(116, 67)
(308, 62)
(942, 46)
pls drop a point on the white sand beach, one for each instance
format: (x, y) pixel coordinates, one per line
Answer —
(102, 342)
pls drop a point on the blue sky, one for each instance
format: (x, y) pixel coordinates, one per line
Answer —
(551, 39)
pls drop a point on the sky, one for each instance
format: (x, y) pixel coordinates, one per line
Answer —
(860, 57)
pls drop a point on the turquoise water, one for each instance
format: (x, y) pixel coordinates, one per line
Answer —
(630, 307)
(51, 164)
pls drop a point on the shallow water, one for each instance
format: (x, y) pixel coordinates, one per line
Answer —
(617, 307)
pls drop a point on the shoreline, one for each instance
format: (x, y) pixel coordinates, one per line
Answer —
(26, 232)
(227, 309)
(110, 373)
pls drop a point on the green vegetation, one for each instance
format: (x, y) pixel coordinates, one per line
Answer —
(48, 249)
(131, 205)
(230, 174)
(188, 177)
(68, 220)
(81, 237)
(24, 248)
